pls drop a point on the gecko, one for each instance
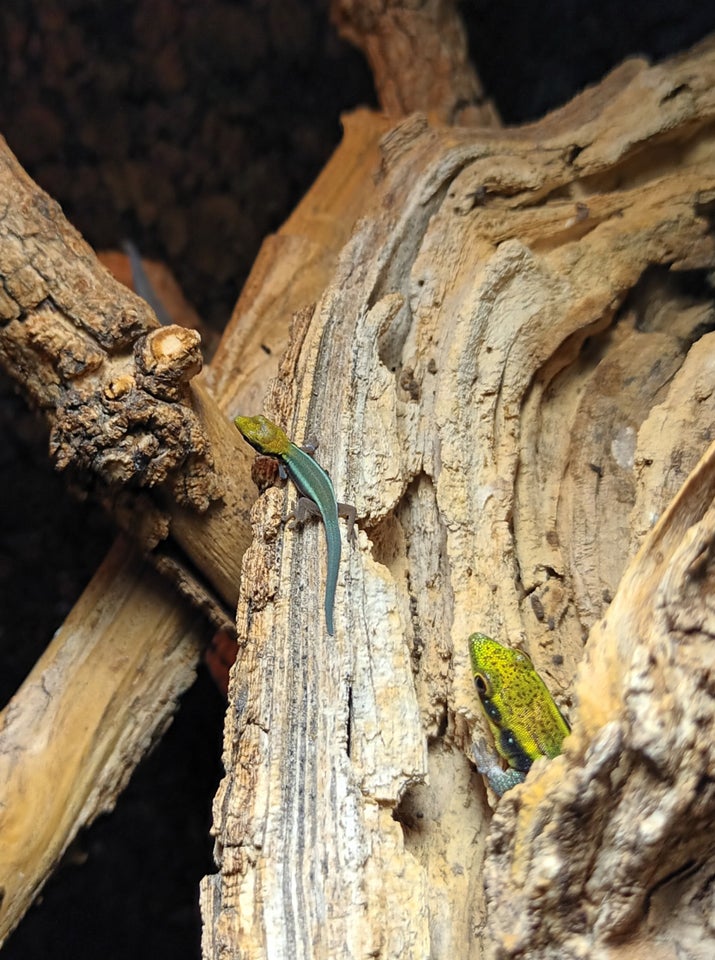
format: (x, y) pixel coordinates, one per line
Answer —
(521, 713)
(316, 487)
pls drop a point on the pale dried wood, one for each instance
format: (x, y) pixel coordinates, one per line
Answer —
(126, 423)
(419, 58)
(101, 694)
(500, 372)
(115, 389)
(138, 600)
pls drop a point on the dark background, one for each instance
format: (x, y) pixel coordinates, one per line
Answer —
(194, 129)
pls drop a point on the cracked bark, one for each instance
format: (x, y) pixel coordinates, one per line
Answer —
(510, 371)
(117, 391)
(128, 427)
(114, 672)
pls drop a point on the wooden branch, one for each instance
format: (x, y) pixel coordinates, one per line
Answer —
(95, 702)
(419, 58)
(116, 389)
(121, 413)
(499, 372)
(132, 596)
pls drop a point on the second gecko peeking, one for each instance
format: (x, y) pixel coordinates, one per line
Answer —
(520, 711)
(316, 487)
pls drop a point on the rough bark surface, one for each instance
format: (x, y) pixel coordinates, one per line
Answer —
(116, 388)
(102, 693)
(133, 432)
(418, 56)
(510, 373)
(88, 350)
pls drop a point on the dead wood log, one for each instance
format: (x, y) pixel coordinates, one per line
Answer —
(115, 387)
(510, 372)
(95, 702)
(39, 735)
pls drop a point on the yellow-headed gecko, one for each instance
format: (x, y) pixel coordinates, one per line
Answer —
(316, 487)
(521, 713)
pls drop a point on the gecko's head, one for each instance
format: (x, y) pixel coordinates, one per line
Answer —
(263, 435)
(522, 714)
(494, 665)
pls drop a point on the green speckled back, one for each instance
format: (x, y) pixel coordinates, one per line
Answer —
(522, 714)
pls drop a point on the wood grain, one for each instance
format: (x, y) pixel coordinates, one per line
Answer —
(508, 372)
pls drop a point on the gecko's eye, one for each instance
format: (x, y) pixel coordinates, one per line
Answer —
(482, 684)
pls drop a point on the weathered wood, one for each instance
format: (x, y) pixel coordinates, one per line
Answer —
(419, 58)
(500, 372)
(98, 698)
(631, 804)
(167, 291)
(136, 598)
(116, 389)
(123, 413)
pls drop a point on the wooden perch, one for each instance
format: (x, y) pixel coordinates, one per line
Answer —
(131, 429)
(97, 699)
(133, 600)
(116, 389)
(510, 375)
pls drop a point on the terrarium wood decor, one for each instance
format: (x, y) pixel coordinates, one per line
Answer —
(502, 339)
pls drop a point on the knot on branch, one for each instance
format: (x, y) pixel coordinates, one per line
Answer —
(125, 435)
(166, 359)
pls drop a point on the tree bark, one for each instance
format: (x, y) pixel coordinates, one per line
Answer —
(419, 58)
(100, 696)
(73, 713)
(510, 375)
(127, 424)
